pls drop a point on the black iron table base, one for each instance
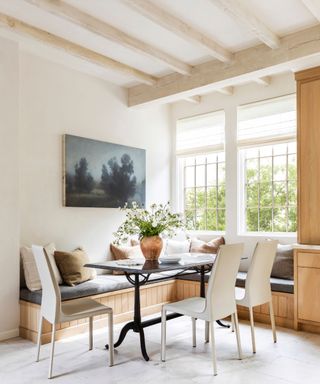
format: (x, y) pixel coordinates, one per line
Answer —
(137, 325)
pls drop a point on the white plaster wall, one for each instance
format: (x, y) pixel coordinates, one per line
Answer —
(41, 101)
(9, 193)
(281, 85)
(54, 101)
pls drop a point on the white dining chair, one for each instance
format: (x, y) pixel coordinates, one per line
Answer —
(219, 302)
(257, 289)
(56, 311)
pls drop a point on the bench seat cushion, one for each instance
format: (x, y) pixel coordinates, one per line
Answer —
(277, 285)
(101, 284)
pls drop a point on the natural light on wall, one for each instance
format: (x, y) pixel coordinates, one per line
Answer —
(201, 170)
(267, 166)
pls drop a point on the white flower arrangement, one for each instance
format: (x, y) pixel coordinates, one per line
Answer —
(158, 220)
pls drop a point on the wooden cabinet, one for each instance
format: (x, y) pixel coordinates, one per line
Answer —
(308, 138)
(307, 289)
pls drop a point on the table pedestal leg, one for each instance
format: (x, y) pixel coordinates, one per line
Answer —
(136, 325)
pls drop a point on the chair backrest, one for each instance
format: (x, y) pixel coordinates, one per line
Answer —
(51, 297)
(257, 286)
(221, 300)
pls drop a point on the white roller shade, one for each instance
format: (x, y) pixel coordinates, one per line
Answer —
(267, 121)
(202, 133)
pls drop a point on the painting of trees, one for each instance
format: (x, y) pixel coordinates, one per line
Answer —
(101, 174)
(119, 180)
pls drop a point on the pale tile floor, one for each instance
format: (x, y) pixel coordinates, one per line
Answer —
(294, 359)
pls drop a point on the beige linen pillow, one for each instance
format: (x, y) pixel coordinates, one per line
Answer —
(200, 246)
(49, 250)
(71, 266)
(29, 267)
(30, 270)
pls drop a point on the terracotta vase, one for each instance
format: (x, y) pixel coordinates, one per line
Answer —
(151, 247)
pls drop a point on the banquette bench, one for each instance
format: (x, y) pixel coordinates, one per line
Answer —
(116, 292)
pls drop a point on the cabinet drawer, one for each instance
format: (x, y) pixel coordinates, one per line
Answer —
(311, 260)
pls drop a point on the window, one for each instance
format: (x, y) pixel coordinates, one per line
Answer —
(201, 163)
(266, 139)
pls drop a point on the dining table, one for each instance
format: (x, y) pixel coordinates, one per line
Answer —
(138, 273)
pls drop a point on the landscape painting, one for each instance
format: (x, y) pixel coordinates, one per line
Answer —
(102, 174)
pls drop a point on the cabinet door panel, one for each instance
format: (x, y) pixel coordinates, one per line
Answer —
(309, 161)
(309, 294)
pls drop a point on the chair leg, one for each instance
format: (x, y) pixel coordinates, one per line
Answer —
(163, 334)
(213, 348)
(253, 339)
(232, 323)
(206, 332)
(236, 326)
(53, 334)
(39, 337)
(194, 332)
(273, 324)
(111, 346)
(90, 333)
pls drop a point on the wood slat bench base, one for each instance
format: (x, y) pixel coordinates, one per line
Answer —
(153, 296)
(283, 305)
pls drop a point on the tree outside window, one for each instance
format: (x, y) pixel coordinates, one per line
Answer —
(204, 192)
(270, 188)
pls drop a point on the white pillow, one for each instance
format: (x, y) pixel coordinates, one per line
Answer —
(31, 273)
(175, 246)
(49, 250)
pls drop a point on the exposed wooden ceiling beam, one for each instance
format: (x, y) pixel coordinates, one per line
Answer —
(193, 99)
(226, 90)
(74, 49)
(247, 64)
(179, 27)
(103, 29)
(314, 7)
(244, 16)
(264, 80)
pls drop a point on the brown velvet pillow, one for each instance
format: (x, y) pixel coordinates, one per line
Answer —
(71, 266)
(199, 246)
(283, 263)
(125, 252)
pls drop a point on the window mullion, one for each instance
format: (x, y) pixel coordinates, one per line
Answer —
(195, 193)
(217, 184)
(205, 192)
(272, 190)
(259, 190)
(287, 191)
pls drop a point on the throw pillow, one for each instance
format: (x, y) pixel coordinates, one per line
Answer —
(212, 246)
(30, 270)
(283, 263)
(71, 266)
(121, 252)
(175, 246)
(50, 250)
(126, 252)
(29, 273)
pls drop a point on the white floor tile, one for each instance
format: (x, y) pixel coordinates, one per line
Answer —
(294, 359)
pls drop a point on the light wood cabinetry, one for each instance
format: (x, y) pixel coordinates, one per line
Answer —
(308, 135)
(307, 289)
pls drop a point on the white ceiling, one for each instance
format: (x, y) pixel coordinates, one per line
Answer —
(281, 16)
